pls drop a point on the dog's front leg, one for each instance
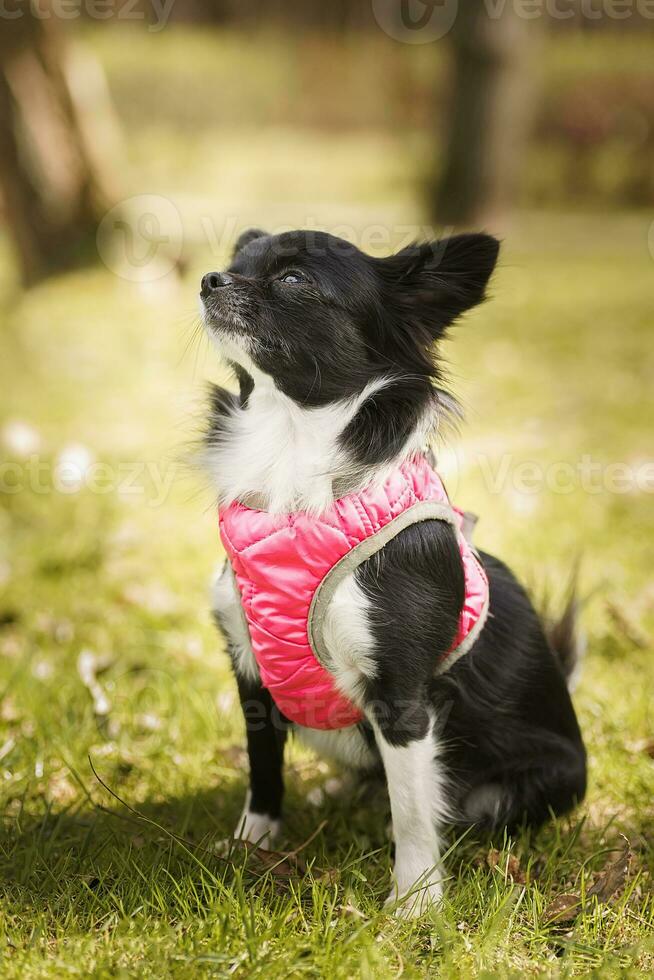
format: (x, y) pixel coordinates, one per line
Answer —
(266, 731)
(415, 786)
(265, 727)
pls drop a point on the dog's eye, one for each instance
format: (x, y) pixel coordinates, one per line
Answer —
(293, 278)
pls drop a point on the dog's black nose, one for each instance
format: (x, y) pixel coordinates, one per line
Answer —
(213, 281)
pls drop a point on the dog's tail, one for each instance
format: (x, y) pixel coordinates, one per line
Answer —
(565, 636)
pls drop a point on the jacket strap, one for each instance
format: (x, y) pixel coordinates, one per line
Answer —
(424, 510)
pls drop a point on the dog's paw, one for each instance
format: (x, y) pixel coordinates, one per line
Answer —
(412, 901)
(257, 828)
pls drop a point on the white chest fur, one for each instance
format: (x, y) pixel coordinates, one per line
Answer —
(282, 454)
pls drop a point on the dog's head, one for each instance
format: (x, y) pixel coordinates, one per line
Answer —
(324, 320)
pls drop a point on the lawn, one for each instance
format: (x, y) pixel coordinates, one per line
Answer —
(116, 808)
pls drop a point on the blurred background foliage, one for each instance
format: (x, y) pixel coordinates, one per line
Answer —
(501, 112)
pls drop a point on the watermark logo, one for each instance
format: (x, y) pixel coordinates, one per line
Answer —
(415, 21)
(141, 238)
(424, 21)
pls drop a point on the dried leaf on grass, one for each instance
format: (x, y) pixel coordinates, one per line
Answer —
(508, 866)
(564, 908)
(611, 879)
(281, 865)
(607, 884)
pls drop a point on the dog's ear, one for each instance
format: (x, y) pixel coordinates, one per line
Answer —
(246, 237)
(429, 285)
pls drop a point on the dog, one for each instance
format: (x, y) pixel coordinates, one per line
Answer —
(340, 387)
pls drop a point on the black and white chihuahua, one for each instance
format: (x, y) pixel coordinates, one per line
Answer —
(336, 356)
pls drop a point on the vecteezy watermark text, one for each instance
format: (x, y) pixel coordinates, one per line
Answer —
(151, 481)
(147, 481)
(587, 474)
(425, 21)
(141, 238)
(155, 14)
(567, 9)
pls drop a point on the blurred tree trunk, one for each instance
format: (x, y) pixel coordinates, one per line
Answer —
(488, 116)
(52, 189)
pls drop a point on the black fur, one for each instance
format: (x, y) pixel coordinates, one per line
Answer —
(266, 731)
(510, 720)
(323, 320)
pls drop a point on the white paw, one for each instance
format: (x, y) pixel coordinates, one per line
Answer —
(411, 900)
(257, 828)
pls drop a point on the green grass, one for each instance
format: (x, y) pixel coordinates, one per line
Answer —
(558, 366)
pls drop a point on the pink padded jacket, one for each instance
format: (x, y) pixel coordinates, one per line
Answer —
(288, 567)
